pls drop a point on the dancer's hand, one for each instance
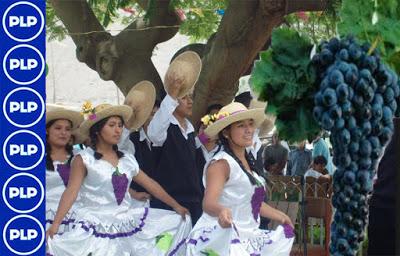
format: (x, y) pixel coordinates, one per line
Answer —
(225, 218)
(51, 231)
(182, 211)
(286, 220)
(174, 83)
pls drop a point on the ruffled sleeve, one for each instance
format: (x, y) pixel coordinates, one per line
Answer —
(233, 174)
(87, 155)
(130, 163)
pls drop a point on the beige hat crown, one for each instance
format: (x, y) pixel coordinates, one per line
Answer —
(186, 67)
(232, 113)
(102, 111)
(141, 99)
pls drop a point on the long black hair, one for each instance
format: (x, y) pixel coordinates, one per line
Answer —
(249, 157)
(68, 147)
(94, 132)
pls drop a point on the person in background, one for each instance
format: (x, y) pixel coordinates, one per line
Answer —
(382, 206)
(174, 136)
(60, 123)
(244, 98)
(206, 146)
(320, 147)
(142, 98)
(318, 169)
(275, 157)
(299, 160)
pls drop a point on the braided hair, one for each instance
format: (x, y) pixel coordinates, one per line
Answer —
(68, 148)
(93, 133)
(249, 157)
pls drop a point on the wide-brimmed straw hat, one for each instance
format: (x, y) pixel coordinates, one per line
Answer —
(268, 124)
(186, 67)
(231, 113)
(141, 99)
(55, 112)
(94, 115)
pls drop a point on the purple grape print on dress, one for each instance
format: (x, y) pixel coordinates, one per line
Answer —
(120, 184)
(256, 201)
(64, 171)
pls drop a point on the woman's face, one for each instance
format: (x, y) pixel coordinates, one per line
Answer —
(241, 133)
(59, 133)
(111, 131)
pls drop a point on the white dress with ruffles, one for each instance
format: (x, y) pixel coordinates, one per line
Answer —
(56, 182)
(104, 228)
(244, 238)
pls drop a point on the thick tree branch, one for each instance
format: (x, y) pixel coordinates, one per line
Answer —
(305, 5)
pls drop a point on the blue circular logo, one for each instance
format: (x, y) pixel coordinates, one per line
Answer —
(23, 235)
(23, 192)
(23, 21)
(23, 107)
(23, 64)
(23, 150)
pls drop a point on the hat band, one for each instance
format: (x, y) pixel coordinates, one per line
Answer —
(226, 114)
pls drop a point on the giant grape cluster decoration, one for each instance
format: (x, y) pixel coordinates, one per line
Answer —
(357, 99)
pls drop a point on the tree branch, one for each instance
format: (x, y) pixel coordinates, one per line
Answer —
(80, 21)
(305, 5)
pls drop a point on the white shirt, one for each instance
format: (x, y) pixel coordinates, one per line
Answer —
(256, 144)
(125, 144)
(143, 137)
(158, 127)
(207, 154)
(312, 173)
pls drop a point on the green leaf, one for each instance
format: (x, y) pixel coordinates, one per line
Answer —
(286, 52)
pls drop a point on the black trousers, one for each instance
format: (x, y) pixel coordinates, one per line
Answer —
(381, 231)
(195, 209)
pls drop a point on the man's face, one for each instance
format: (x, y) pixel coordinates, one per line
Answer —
(184, 108)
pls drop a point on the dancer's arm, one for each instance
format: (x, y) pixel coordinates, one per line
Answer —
(158, 192)
(216, 177)
(269, 212)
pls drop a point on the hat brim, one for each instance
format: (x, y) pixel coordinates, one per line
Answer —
(266, 126)
(141, 98)
(75, 117)
(256, 114)
(191, 63)
(123, 111)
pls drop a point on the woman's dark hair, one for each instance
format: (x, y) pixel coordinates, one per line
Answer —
(249, 157)
(320, 160)
(93, 133)
(68, 148)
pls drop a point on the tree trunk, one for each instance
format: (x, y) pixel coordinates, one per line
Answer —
(126, 57)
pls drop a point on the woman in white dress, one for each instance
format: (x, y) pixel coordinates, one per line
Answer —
(60, 123)
(106, 223)
(234, 193)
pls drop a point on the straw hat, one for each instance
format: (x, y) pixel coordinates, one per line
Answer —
(54, 112)
(141, 99)
(186, 66)
(231, 113)
(268, 124)
(103, 111)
